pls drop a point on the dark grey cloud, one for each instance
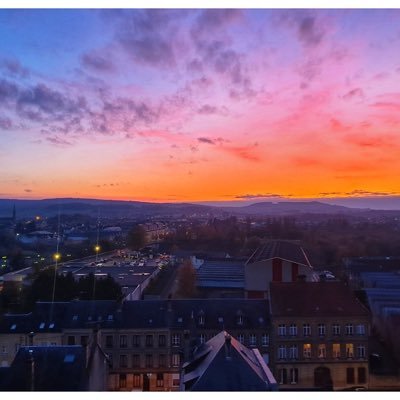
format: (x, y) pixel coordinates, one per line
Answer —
(309, 31)
(214, 19)
(97, 62)
(39, 102)
(59, 141)
(148, 36)
(8, 91)
(249, 196)
(28, 190)
(13, 67)
(207, 109)
(206, 140)
(356, 93)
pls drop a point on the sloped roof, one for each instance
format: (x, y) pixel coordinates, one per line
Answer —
(280, 249)
(308, 299)
(221, 273)
(223, 364)
(56, 368)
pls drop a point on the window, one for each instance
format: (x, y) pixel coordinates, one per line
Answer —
(282, 330)
(123, 341)
(307, 350)
(293, 330)
(175, 382)
(71, 340)
(360, 329)
(122, 381)
(321, 329)
(161, 341)
(349, 329)
(110, 359)
(293, 352)
(349, 375)
(84, 340)
(252, 339)
(201, 319)
(136, 380)
(264, 339)
(149, 340)
(362, 375)
(282, 352)
(136, 341)
(162, 360)
(282, 374)
(241, 338)
(160, 380)
(294, 376)
(123, 361)
(135, 360)
(51, 326)
(239, 319)
(336, 350)
(149, 360)
(349, 350)
(176, 360)
(202, 338)
(306, 329)
(361, 351)
(336, 329)
(322, 350)
(176, 339)
(109, 341)
(41, 326)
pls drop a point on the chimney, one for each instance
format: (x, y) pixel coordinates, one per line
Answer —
(228, 346)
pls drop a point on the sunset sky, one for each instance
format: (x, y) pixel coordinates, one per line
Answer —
(197, 105)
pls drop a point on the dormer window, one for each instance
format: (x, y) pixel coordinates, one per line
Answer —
(239, 319)
(13, 326)
(201, 318)
(75, 318)
(51, 326)
(41, 326)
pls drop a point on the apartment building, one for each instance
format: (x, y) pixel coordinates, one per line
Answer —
(320, 336)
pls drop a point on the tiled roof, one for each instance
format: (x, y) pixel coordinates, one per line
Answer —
(56, 368)
(280, 249)
(308, 299)
(223, 364)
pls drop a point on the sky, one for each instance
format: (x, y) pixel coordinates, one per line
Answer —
(200, 105)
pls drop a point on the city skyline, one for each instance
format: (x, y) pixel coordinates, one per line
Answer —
(199, 105)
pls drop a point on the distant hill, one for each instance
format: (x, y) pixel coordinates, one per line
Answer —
(139, 210)
(286, 207)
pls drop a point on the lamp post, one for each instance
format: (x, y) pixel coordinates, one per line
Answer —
(97, 248)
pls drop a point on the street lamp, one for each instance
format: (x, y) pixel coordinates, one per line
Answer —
(57, 257)
(97, 249)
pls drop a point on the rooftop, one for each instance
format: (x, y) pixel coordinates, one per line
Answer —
(280, 249)
(308, 299)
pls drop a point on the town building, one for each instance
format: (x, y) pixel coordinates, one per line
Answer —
(320, 336)
(224, 364)
(276, 261)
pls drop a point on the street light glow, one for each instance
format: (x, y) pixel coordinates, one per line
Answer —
(97, 248)
(57, 256)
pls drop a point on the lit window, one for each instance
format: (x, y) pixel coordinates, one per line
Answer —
(41, 326)
(336, 350)
(51, 326)
(293, 330)
(349, 350)
(307, 350)
(306, 329)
